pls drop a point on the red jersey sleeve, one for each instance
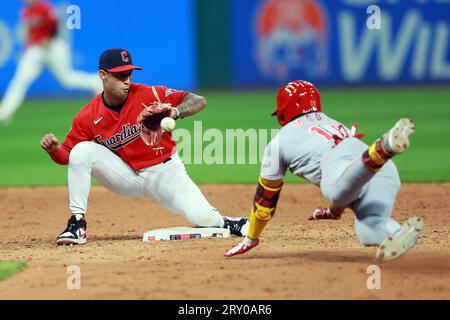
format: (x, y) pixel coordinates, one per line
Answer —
(61, 155)
(77, 133)
(172, 96)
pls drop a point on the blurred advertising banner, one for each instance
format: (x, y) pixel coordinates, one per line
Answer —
(159, 35)
(340, 41)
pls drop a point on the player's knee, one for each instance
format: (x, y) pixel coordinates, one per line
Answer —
(333, 196)
(81, 153)
(337, 196)
(391, 170)
(343, 194)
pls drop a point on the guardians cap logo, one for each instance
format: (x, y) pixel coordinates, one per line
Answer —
(291, 39)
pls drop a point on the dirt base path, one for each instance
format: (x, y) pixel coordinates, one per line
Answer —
(297, 259)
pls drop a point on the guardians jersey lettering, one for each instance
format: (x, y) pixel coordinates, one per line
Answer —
(119, 131)
(129, 133)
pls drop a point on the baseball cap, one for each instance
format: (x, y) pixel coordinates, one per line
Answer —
(116, 60)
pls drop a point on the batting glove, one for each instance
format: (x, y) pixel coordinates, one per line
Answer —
(324, 214)
(244, 246)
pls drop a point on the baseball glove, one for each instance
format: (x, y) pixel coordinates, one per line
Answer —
(149, 122)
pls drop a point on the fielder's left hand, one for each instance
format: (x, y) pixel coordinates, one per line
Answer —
(149, 122)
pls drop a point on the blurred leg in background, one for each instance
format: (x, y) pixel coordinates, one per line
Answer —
(60, 63)
(29, 68)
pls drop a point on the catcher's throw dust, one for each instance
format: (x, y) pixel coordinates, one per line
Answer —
(350, 173)
(105, 142)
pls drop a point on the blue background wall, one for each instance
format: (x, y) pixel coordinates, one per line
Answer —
(412, 45)
(159, 34)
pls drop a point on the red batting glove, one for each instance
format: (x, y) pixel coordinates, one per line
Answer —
(324, 214)
(244, 246)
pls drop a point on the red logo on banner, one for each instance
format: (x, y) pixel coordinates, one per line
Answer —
(291, 39)
(125, 57)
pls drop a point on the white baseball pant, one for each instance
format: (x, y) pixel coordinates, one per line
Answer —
(167, 183)
(58, 57)
(346, 181)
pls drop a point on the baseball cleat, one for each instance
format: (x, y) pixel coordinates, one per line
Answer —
(396, 246)
(244, 246)
(324, 214)
(237, 226)
(75, 232)
(398, 137)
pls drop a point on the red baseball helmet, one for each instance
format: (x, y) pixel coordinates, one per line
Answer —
(296, 98)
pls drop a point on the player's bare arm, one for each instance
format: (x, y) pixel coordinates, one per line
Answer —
(49, 143)
(190, 105)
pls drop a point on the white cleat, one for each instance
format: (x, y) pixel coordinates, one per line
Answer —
(398, 136)
(75, 233)
(394, 247)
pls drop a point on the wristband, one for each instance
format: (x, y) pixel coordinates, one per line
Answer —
(177, 113)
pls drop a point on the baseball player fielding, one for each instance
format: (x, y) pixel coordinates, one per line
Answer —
(109, 141)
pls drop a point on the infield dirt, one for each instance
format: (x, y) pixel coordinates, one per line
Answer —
(297, 259)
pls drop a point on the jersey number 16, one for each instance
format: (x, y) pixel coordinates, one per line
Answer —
(328, 132)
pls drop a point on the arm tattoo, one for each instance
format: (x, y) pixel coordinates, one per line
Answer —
(190, 105)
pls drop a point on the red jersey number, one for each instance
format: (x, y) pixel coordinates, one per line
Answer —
(327, 132)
